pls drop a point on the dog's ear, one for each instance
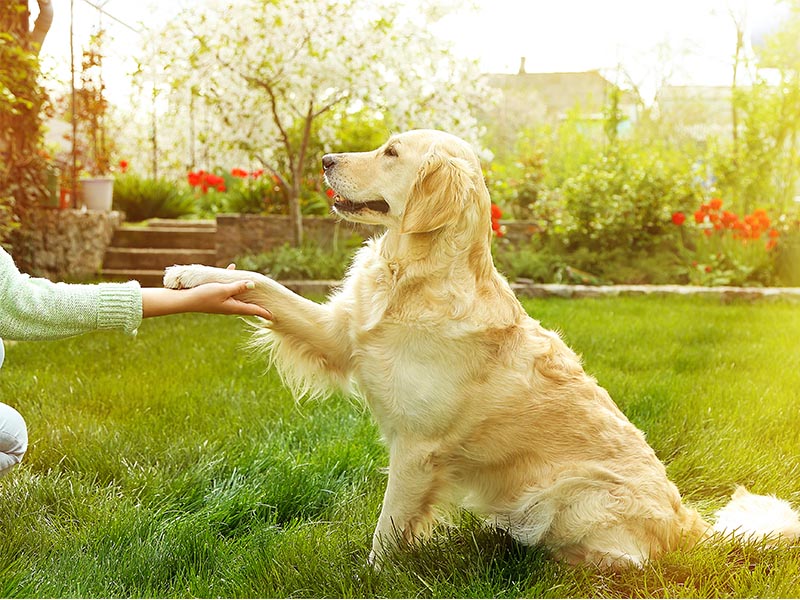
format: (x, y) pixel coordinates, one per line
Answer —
(438, 195)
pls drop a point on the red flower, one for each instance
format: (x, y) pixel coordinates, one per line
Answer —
(773, 233)
(241, 173)
(700, 216)
(257, 173)
(678, 218)
(330, 193)
(195, 178)
(123, 166)
(715, 203)
(213, 180)
(205, 181)
(729, 219)
(497, 212)
(762, 218)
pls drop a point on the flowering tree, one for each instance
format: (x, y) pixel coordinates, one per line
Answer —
(267, 78)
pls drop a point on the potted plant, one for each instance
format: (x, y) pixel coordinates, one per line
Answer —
(93, 145)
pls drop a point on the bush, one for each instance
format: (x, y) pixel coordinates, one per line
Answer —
(8, 219)
(625, 198)
(310, 261)
(257, 196)
(544, 260)
(256, 192)
(142, 198)
(530, 261)
(518, 185)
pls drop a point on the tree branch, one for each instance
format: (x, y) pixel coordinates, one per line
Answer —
(42, 24)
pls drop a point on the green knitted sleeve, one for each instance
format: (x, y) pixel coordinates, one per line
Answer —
(38, 309)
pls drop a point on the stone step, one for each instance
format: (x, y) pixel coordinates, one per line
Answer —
(191, 224)
(136, 259)
(164, 237)
(145, 277)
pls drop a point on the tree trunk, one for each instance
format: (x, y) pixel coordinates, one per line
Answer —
(42, 24)
(737, 57)
(295, 211)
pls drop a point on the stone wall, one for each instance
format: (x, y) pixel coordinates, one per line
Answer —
(238, 235)
(63, 244)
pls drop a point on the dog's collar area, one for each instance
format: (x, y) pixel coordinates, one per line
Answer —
(345, 205)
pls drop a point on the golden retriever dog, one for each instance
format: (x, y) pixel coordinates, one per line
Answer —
(479, 405)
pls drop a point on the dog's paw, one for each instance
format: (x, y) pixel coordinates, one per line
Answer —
(179, 277)
(172, 277)
(375, 561)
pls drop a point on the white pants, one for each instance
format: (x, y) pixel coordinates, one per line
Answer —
(13, 438)
(13, 434)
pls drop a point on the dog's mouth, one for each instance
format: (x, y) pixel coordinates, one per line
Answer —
(345, 205)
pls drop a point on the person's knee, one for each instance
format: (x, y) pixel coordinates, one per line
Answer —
(13, 438)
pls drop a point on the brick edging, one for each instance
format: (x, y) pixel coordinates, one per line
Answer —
(556, 290)
(549, 290)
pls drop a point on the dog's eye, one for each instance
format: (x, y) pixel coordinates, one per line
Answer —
(390, 151)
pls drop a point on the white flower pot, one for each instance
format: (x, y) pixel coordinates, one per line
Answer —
(97, 193)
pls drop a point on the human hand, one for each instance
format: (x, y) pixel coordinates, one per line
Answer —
(216, 298)
(220, 298)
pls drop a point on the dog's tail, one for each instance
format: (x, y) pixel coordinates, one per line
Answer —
(757, 518)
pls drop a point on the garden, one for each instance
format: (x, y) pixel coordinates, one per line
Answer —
(628, 193)
(176, 464)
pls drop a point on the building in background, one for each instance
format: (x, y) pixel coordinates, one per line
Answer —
(530, 100)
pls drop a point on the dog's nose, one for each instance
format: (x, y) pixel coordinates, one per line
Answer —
(328, 161)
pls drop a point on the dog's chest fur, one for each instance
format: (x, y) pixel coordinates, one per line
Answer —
(413, 385)
(410, 359)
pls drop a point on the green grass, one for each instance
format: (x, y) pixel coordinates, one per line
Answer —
(173, 465)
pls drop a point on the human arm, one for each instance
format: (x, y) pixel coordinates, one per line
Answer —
(216, 298)
(38, 309)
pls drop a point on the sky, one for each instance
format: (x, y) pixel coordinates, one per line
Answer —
(690, 41)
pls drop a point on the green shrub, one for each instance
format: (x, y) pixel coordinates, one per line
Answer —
(257, 196)
(8, 219)
(530, 261)
(142, 198)
(625, 198)
(517, 186)
(310, 261)
(544, 260)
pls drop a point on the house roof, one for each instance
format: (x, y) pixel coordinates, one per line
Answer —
(560, 92)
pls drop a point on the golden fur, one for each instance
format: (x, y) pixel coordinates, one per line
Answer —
(480, 406)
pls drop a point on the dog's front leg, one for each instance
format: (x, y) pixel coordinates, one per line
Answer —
(292, 314)
(310, 345)
(407, 514)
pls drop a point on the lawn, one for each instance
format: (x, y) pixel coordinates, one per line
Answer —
(174, 465)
